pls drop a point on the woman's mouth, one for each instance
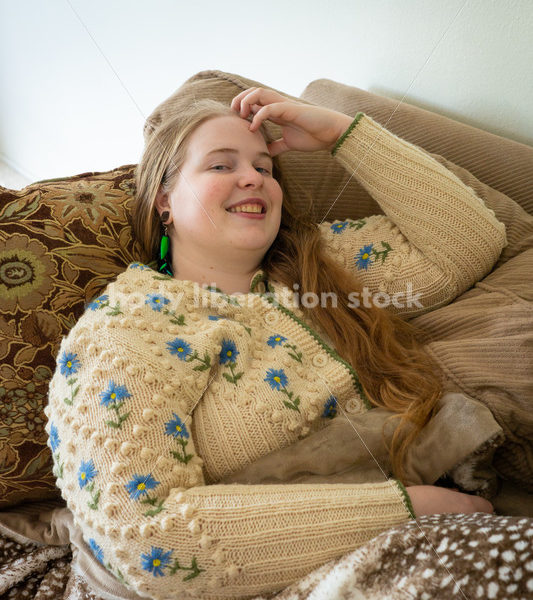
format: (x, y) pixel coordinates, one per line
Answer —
(247, 208)
(253, 211)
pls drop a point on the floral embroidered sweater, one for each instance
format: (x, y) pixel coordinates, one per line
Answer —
(163, 388)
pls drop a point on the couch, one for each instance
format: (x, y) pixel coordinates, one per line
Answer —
(62, 240)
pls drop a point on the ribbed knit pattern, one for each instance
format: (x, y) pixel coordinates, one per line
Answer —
(162, 389)
(443, 237)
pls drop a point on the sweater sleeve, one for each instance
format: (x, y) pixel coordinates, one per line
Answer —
(436, 239)
(122, 437)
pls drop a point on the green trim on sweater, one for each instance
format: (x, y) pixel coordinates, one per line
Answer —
(407, 499)
(356, 120)
(327, 348)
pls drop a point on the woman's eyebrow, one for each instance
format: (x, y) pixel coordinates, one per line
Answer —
(235, 151)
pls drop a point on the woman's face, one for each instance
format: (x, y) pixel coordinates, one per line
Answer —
(225, 165)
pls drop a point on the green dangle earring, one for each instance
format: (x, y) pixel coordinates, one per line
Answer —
(163, 259)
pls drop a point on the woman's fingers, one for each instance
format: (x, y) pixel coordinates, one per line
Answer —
(277, 113)
(483, 505)
(304, 127)
(431, 500)
(236, 102)
(243, 102)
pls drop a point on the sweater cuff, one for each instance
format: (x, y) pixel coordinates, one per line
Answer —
(356, 120)
(406, 498)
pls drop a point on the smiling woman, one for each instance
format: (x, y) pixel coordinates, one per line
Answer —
(211, 234)
(204, 381)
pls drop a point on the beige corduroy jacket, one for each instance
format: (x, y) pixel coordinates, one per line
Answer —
(163, 388)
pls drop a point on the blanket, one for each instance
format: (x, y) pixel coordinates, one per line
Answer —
(435, 557)
(352, 448)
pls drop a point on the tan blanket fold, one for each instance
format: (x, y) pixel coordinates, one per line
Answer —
(351, 449)
(484, 344)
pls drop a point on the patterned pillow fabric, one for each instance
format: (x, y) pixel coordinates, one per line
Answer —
(61, 242)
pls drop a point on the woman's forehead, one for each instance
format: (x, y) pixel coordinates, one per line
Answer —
(226, 131)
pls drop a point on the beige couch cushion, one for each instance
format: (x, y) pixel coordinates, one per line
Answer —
(500, 163)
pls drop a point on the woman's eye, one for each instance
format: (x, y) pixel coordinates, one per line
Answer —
(262, 169)
(219, 167)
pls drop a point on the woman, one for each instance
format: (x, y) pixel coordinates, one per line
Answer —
(165, 386)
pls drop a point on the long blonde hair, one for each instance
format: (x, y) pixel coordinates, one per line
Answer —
(386, 351)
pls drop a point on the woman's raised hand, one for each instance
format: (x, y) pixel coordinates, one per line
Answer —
(432, 500)
(304, 127)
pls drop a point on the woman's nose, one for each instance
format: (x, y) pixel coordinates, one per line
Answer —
(250, 176)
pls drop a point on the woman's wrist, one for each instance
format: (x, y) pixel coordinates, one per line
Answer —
(431, 500)
(349, 123)
(344, 123)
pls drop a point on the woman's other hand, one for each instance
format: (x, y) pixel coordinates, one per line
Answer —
(304, 127)
(433, 500)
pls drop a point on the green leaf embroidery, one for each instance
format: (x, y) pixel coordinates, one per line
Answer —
(183, 457)
(195, 570)
(73, 392)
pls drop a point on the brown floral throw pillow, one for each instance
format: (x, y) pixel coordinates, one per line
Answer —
(61, 242)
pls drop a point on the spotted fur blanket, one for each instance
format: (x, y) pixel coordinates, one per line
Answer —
(432, 558)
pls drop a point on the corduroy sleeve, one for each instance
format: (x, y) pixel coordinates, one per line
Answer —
(437, 237)
(125, 461)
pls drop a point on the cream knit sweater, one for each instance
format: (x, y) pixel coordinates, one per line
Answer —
(163, 388)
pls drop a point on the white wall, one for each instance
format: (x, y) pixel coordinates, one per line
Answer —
(77, 78)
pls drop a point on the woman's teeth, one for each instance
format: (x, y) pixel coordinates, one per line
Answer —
(249, 208)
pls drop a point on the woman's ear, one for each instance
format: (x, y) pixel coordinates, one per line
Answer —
(162, 202)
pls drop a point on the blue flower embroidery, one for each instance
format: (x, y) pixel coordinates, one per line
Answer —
(364, 257)
(180, 348)
(138, 490)
(114, 394)
(339, 227)
(86, 472)
(155, 301)
(156, 561)
(276, 340)
(139, 486)
(229, 352)
(97, 551)
(54, 438)
(54, 444)
(330, 408)
(98, 302)
(113, 398)
(183, 351)
(140, 266)
(228, 356)
(279, 340)
(176, 427)
(69, 364)
(276, 378)
(214, 318)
